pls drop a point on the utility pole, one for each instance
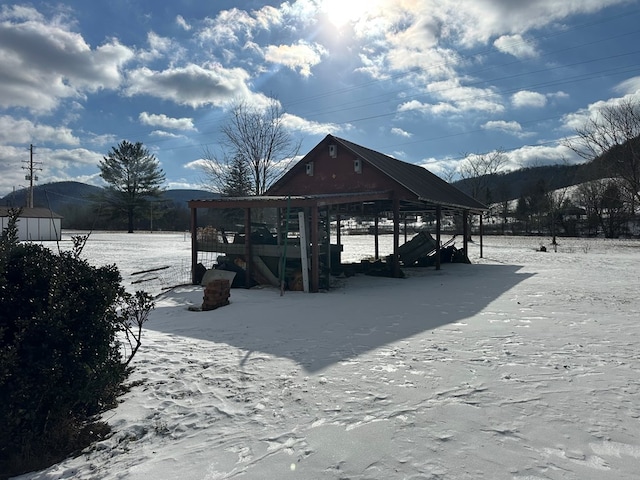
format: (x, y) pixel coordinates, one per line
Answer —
(31, 168)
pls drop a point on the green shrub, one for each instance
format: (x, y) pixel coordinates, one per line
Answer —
(60, 360)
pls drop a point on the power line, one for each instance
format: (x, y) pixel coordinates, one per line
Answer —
(389, 96)
(392, 95)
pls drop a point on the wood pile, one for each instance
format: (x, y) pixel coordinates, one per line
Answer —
(216, 294)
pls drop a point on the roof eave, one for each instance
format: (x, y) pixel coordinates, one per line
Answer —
(476, 209)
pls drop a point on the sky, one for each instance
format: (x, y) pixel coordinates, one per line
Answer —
(425, 81)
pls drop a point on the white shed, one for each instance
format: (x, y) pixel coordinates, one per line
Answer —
(35, 224)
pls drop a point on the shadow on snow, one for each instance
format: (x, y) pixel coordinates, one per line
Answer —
(318, 330)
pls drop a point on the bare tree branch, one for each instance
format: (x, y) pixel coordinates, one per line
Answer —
(259, 137)
(612, 136)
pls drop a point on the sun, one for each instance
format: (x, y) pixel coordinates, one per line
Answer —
(342, 12)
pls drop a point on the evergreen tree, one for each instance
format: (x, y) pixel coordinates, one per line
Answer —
(237, 180)
(133, 176)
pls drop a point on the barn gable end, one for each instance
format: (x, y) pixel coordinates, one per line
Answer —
(333, 168)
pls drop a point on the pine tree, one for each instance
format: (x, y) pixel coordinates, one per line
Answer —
(237, 181)
(133, 175)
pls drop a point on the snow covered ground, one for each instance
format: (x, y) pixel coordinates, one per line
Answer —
(524, 365)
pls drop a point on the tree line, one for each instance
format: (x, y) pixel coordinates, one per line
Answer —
(600, 196)
(255, 150)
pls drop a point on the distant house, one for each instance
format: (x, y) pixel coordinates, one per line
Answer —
(338, 179)
(35, 224)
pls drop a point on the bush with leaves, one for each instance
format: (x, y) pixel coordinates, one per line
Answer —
(61, 362)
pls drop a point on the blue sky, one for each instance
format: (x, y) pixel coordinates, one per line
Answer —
(426, 81)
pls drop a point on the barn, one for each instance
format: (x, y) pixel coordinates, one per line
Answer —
(35, 224)
(337, 179)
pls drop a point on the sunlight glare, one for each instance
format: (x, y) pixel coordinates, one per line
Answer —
(341, 12)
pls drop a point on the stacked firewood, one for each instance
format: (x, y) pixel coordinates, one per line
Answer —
(216, 294)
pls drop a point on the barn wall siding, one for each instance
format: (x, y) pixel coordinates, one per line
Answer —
(333, 176)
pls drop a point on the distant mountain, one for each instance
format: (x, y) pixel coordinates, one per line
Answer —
(59, 196)
(513, 185)
(53, 195)
(184, 195)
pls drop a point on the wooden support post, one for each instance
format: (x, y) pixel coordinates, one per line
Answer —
(376, 241)
(481, 235)
(405, 228)
(438, 241)
(279, 241)
(247, 247)
(328, 247)
(395, 259)
(304, 264)
(465, 232)
(194, 244)
(315, 251)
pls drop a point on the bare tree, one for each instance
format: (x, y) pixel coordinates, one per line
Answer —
(605, 205)
(477, 170)
(258, 137)
(613, 135)
(556, 201)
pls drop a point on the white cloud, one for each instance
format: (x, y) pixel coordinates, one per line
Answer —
(158, 47)
(268, 16)
(199, 164)
(299, 11)
(183, 184)
(227, 27)
(164, 134)
(236, 27)
(467, 98)
(401, 133)
(512, 128)
(481, 20)
(444, 168)
(63, 159)
(183, 23)
(576, 120)
(525, 98)
(629, 86)
(414, 33)
(164, 121)
(192, 85)
(21, 131)
(56, 164)
(20, 12)
(37, 52)
(295, 123)
(104, 139)
(516, 45)
(560, 95)
(300, 57)
(11, 172)
(428, 108)
(537, 155)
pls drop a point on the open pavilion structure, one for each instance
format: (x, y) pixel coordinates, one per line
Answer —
(337, 179)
